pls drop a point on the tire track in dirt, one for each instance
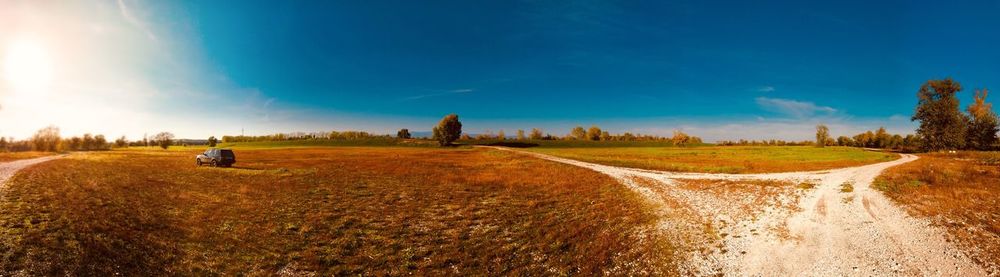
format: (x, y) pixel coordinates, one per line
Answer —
(826, 232)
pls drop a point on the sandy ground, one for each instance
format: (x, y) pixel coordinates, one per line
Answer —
(8, 169)
(821, 231)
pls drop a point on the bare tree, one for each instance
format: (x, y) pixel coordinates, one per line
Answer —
(164, 139)
(536, 134)
(520, 134)
(822, 135)
(121, 142)
(46, 139)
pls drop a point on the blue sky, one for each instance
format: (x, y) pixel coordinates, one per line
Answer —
(762, 69)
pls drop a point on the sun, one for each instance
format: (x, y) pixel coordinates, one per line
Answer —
(27, 68)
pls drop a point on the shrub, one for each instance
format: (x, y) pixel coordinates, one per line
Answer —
(164, 139)
(448, 130)
(403, 133)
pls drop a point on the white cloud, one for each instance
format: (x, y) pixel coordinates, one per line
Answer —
(793, 108)
(765, 89)
(127, 14)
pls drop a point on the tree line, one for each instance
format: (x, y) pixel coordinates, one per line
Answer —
(943, 126)
(449, 130)
(48, 140)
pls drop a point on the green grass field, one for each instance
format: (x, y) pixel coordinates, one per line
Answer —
(722, 159)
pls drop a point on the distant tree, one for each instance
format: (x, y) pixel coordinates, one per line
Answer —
(121, 142)
(465, 137)
(73, 144)
(895, 142)
(520, 134)
(88, 142)
(942, 125)
(822, 135)
(501, 135)
(605, 135)
(594, 133)
(844, 141)
(628, 136)
(578, 133)
(403, 133)
(212, 141)
(536, 134)
(680, 138)
(46, 139)
(100, 143)
(882, 138)
(911, 141)
(448, 130)
(164, 139)
(982, 131)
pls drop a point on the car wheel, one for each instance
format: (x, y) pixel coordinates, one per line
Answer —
(215, 164)
(197, 162)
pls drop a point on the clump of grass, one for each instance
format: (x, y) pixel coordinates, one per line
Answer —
(847, 187)
(956, 191)
(806, 185)
(847, 199)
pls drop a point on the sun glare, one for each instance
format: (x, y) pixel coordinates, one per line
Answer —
(27, 68)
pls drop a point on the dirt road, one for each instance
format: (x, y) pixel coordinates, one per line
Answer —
(828, 230)
(8, 169)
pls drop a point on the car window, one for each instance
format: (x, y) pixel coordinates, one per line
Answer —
(227, 153)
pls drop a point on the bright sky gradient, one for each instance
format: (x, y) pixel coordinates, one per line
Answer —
(756, 69)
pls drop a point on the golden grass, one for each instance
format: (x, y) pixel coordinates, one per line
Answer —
(960, 192)
(13, 156)
(847, 187)
(724, 159)
(333, 211)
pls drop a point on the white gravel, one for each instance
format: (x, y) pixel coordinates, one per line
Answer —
(8, 169)
(826, 232)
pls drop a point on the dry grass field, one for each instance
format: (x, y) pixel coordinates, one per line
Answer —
(11, 156)
(724, 159)
(332, 211)
(960, 192)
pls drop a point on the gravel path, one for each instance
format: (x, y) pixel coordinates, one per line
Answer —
(823, 231)
(8, 169)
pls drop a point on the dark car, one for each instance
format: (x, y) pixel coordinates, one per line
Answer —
(216, 157)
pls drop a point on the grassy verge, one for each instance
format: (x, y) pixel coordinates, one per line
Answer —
(331, 211)
(13, 156)
(960, 192)
(728, 159)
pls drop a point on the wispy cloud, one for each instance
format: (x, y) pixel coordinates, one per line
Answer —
(439, 94)
(794, 108)
(127, 14)
(765, 89)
